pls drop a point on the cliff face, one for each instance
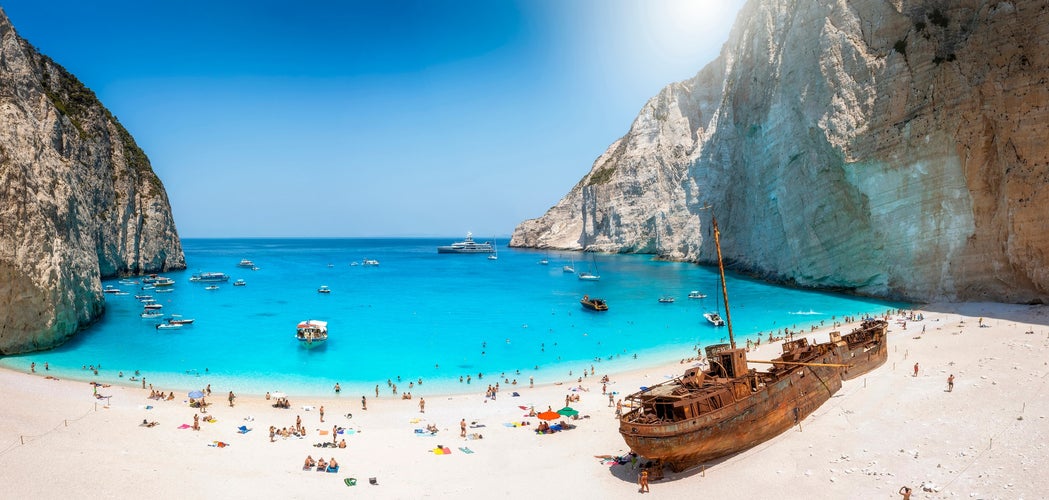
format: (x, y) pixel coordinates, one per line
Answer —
(891, 147)
(78, 201)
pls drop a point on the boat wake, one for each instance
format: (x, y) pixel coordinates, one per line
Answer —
(810, 312)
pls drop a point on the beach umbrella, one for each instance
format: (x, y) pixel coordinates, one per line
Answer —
(568, 412)
(549, 415)
(196, 394)
(278, 395)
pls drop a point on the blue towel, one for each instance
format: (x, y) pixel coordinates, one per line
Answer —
(333, 469)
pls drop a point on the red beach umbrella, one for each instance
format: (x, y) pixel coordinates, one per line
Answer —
(549, 415)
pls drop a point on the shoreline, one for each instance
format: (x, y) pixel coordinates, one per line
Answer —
(881, 431)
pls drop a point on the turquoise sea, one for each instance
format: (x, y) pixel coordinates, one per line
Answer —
(416, 315)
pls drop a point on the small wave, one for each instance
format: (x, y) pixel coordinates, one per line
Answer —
(810, 312)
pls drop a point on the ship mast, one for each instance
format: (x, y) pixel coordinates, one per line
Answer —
(724, 289)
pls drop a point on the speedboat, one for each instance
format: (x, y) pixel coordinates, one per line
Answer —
(714, 318)
(165, 290)
(311, 332)
(593, 304)
(179, 320)
(153, 306)
(324, 289)
(666, 299)
(246, 263)
(110, 289)
(239, 283)
(211, 287)
(543, 262)
(168, 326)
(694, 294)
(467, 246)
(151, 314)
(370, 262)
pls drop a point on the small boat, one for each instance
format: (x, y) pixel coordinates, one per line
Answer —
(694, 294)
(211, 287)
(122, 293)
(543, 262)
(153, 307)
(568, 269)
(593, 304)
(467, 246)
(369, 262)
(165, 290)
(585, 276)
(246, 263)
(110, 289)
(151, 314)
(181, 321)
(144, 297)
(239, 283)
(210, 278)
(324, 289)
(714, 318)
(162, 281)
(311, 332)
(168, 326)
(666, 299)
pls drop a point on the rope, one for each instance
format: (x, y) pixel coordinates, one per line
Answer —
(26, 439)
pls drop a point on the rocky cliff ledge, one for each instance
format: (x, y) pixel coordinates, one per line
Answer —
(78, 201)
(896, 148)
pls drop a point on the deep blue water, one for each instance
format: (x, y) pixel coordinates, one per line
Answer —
(419, 314)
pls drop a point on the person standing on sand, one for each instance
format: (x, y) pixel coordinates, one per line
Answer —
(231, 398)
(422, 405)
(196, 422)
(642, 479)
(950, 383)
(462, 428)
(322, 413)
(611, 399)
(905, 492)
(915, 369)
(364, 403)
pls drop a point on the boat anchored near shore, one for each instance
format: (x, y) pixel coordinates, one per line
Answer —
(312, 332)
(467, 246)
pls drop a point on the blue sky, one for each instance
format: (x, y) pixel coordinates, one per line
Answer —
(381, 118)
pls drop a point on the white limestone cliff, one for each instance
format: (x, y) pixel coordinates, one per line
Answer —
(78, 202)
(893, 148)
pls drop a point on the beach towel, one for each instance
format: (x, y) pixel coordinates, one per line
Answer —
(333, 470)
(424, 432)
(515, 395)
(522, 407)
(476, 425)
(465, 450)
(323, 433)
(243, 429)
(218, 444)
(185, 426)
(350, 481)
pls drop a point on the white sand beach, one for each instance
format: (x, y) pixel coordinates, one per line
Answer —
(986, 439)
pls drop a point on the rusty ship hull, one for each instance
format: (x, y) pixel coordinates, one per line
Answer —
(703, 416)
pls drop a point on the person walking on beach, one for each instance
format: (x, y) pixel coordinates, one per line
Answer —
(422, 405)
(231, 398)
(364, 403)
(915, 369)
(196, 422)
(322, 413)
(642, 479)
(462, 428)
(611, 399)
(950, 383)
(619, 408)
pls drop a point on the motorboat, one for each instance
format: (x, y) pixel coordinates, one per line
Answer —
(246, 263)
(593, 304)
(666, 299)
(153, 306)
(544, 262)
(210, 278)
(176, 319)
(151, 314)
(164, 290)
(714, 318)
(694, 294)
(311, 332)
(324, 289)
(110, 289)
(211, 287)
(369, 262)
(467, 246)
(163, 281)
(168, 326)
(239, 282)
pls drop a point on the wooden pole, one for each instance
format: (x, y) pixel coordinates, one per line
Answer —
(724, 289)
